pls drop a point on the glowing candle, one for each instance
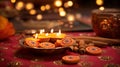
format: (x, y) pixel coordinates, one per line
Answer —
(52, 30)
(60, 35)
(46, 34)
(43, 37)
(56, 36)
(36, 36)
(59, 31)
(42, 31)
(52, 34)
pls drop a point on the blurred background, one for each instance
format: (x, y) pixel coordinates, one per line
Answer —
(68, 15)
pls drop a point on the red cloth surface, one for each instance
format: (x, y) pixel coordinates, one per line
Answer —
(13, 55)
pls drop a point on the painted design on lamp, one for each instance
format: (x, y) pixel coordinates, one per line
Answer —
(105, 25)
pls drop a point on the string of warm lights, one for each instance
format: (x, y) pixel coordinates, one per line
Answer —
(20, 5)
(57, 4)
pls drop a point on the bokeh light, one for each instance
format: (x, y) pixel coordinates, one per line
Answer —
(47, 6)
(70, 17)
(99, 2)
(70, 3)
(29, 6)
(58, 3)
(19, 5)
(101, 8)
(39, 17)
(13, 1)
(62, 13)
(61, 9)
(33, 12)
(42, 8)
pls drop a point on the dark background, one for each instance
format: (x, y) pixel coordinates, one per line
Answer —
(80, 3)
(84, 7)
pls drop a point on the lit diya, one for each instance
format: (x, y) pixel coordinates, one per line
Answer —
(42, 37)
(60, 35)
(56, 36)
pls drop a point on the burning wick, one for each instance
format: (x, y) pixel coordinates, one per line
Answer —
(36, 36)
(42, 31)
(52, 30)
(59, 32)
(46, 34)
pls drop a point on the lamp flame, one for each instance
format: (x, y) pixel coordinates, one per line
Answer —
(52, 30)
(42, 31)
(36, 36)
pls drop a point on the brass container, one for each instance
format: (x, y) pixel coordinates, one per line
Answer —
(106, 23)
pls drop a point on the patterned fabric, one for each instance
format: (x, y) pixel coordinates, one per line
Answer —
(13, 55)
